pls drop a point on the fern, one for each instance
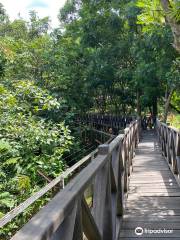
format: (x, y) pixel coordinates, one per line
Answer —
(6, 200)
(4, 147)
(10, 161)
(24, 183)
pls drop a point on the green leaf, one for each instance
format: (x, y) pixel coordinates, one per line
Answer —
(6, 199)
(11, 161)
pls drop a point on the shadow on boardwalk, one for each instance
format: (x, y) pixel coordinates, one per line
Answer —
(154, 195)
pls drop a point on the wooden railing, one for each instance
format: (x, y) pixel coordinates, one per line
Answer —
(105, 122)
(169, 139)
(70, 215)
(58, 182)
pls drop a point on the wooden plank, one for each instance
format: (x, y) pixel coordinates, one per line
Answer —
(113, 180)
(159, 200)
(151, 169)
(100, 183)
(109, 217)
(162, 233)
(150, 224)
(142, 238)
(152, 181)
(152, 212)
(153, 194)
(150, 185)
(153, 174)
(154, 197)
(153, 190)
(78, 228)
(153, 177)
(144, 157)
(139, 218)
(65, 230)
(89, 226)
(155, 187)
(149, 161)
(144, 204)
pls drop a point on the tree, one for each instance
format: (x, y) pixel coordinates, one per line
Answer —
(153, 17)
(162, 12)
(102, 37)
(173, 84)
(37, 26)
(3, 16)
(172, 16)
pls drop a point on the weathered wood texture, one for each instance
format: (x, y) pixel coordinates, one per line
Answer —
(153, 201)
(68, 215)
(169, 139)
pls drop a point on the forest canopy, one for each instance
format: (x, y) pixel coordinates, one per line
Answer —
(111, 57)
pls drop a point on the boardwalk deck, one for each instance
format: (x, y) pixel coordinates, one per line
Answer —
(153, 201)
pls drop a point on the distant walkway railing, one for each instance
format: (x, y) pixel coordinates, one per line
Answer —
(169, 139)
(71, 215)
(105, 122)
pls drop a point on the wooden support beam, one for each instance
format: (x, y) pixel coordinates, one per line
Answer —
(89, 226)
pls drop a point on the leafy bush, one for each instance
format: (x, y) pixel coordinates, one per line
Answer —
(30, 142)
(174, 120)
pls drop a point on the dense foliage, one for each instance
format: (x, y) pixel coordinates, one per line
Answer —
(29, 141)
(117, 56)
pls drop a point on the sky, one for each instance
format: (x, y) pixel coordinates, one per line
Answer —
(42, 7)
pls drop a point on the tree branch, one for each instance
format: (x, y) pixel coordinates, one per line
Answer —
(175, 27)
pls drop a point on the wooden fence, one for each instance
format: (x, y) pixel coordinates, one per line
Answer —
(169, 139)
(58, 182)
(105, 122)
(69, 215)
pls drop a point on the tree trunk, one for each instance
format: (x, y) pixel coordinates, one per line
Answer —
(167, 104)
(138, 104)
(175, 27)
(154, 107)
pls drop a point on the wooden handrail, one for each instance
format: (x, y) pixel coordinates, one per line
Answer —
(68, 216)
(59, 180)
(169, 139)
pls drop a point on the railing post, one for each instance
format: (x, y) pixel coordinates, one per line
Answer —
(102, 206)
(126, 159)
(138, 130)
(178, 154)
(66, 229)
(121, 185)
(78, 227)
(103, 149)
(169, 140)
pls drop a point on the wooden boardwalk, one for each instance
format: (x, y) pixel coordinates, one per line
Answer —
(147, 206)
(153, 201)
